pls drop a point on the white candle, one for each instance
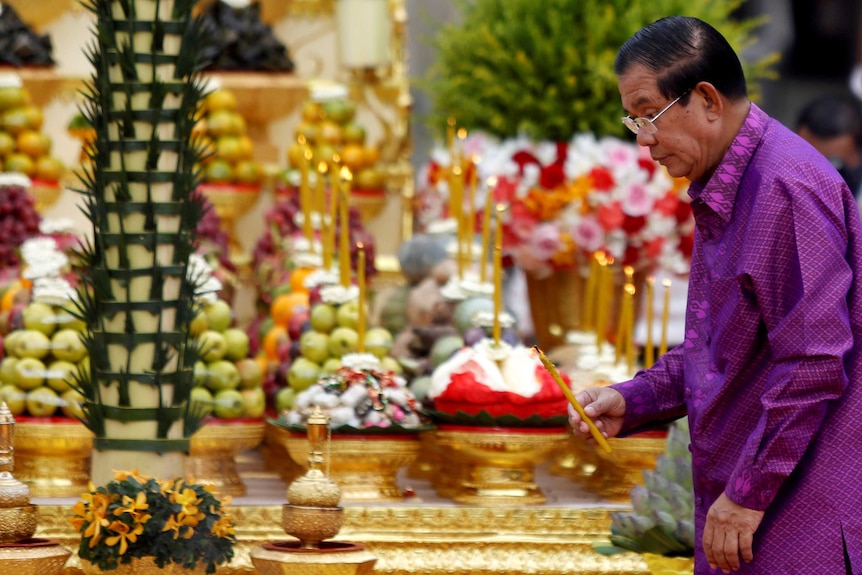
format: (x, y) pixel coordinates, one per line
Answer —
(363, 32)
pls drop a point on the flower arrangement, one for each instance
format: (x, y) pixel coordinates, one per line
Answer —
(569, 200)
(172, 521)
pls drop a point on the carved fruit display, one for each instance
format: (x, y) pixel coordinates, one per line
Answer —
(225, 132)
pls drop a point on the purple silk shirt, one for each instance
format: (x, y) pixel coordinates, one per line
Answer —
(770, 371)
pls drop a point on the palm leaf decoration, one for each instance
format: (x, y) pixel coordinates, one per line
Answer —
(545, 69)
(141, 100)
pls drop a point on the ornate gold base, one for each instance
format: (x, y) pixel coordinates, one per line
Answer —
(53, 457)
(276, 458)
(618, 471)
(35, 557)
(333, 558)
(213, 453)
(143, 566)
(364, 467)
(496, 465)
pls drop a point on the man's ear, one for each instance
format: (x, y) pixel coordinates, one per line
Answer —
(713, 104)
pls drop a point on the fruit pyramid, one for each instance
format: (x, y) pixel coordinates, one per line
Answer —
(24, 147)
(225, 133)
(330, 128)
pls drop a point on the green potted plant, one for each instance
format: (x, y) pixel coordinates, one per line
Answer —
(134, 521)
(661, 523)
(545, 71)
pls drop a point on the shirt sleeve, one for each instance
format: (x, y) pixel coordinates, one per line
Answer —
(654, 396)
(800, 279)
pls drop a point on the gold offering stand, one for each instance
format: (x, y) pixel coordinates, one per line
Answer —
(618, 471)
(214, 448)
(19, 552)
(53, 456)
(312, 516)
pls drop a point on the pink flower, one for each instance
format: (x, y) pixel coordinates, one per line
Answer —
(588, 234)
(611, 216)
(637, 200)
(545, 241)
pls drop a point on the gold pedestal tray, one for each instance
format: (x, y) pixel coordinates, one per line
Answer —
(577, 460)
(497, 464)
(364, 467)
(428, 461)
(33, 557)
(230, 203)
(143, 566)
(52, 456)
(330, 558)
(214, 448)
(618, 471)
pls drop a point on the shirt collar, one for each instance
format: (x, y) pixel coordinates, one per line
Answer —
(719, 192)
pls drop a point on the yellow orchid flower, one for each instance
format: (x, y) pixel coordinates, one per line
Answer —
(124, 535)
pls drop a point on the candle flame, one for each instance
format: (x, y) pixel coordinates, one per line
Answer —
(451, 122)
(665, 283)
(346, 174)
(322, 167)
(462, 133)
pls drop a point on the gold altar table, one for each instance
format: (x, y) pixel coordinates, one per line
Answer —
(425, 534)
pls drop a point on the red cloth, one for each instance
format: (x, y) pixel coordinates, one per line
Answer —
(466, 394)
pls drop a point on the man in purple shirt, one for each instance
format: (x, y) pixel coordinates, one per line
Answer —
(770, 369)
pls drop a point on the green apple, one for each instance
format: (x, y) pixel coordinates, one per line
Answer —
(40, 317)
(420, 386)
(66, 344)
(11, 340)
(389, 363)
(228, 404)
(378, 341)
(32, 343)
(347, 314)
(314, 346)
(199, 324)
(67, 320)
(285, 399)
(330, 366)
(16, 400)
(219, 315)
(222, 374)
(201, 373)
(213, 345)
(71, 401)
(254, 401)
(42, 402)
(303, 373)
(60, 374)
(250, 373)
(237, 343)
(203, 398)
(343, 340)
(29, 373)
(7, 370)
(322, 317)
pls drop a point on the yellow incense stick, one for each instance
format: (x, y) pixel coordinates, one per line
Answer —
(552, 369)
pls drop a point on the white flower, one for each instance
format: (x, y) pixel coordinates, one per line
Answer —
(360, 361)
(338, 294)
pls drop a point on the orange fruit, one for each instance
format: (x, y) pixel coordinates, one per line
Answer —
(353, 156)
(330, 133)
(35, 119)
(229, 148)
(372, 155)
(312, 111)
(33, 143)
(8, 299)
(297, 278)
(284, 306)
(273, 339)
(220, 123)
(246, 147)
(7, 143)
(247, 172)
(49, 168)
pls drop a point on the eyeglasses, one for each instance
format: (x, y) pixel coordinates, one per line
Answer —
(648, 124)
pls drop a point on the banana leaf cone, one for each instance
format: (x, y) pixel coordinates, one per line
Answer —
(141, 101)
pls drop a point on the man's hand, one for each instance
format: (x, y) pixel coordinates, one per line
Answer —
(729, 533)
(605, 406)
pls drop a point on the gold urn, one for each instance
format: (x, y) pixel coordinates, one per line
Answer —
(313, 516)
(19, 552)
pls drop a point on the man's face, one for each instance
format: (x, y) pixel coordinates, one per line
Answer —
(679, 141)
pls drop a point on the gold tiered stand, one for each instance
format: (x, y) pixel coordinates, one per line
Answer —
(616, 472)
(214, 448)
(53, 456)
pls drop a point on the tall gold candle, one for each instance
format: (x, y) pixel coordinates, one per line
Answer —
(623, 319)
(322, 168)
(630, 326)
(665, 317)
(456, 188)
(486, 229)
(469, 223)
(603, 299)
(649, 348)
(450, 134)
(325, 224)
(589, 304)
(305, 191)
(498, 273)
(344, 241)
(360, 280)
